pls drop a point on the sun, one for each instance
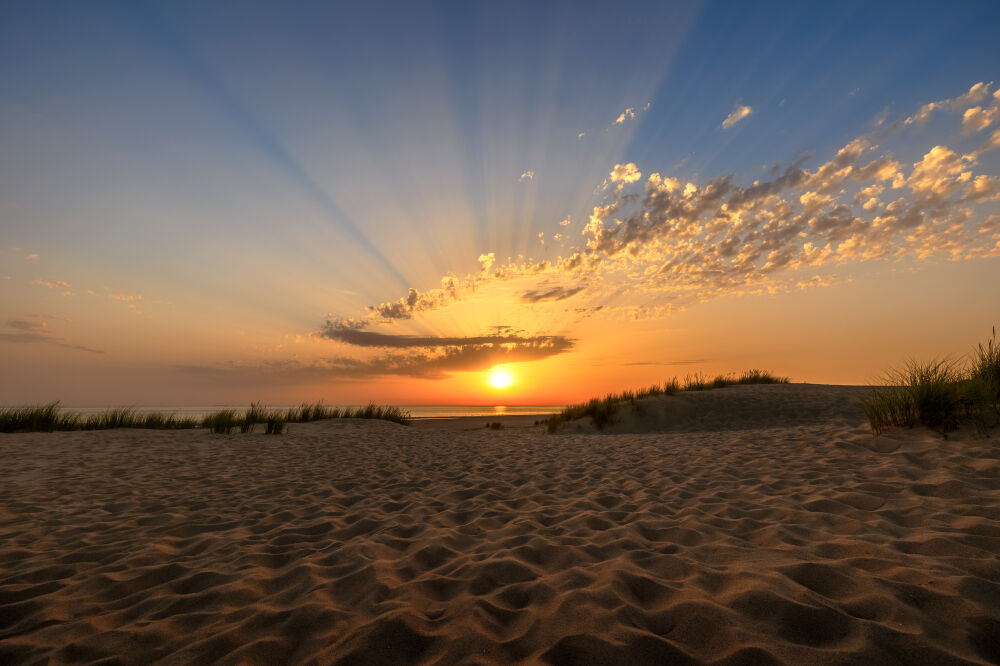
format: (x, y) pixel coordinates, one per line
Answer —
(500, 377)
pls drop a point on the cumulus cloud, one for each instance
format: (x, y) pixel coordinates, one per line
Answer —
(37, 332)
(627, 114)
(738, 113)
(977, 118)
(527, 175)
(625, 173)
(977, 93)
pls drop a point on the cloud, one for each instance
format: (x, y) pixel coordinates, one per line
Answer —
(627, 114)
(977, 93)
(30, 257)
(655, 245)
(738, 113)
(527, 175)
(550, 293)
(692, 361)
(429, 357)
(353, 333)
(977, 118)
(55, 284)
(580, 135)
(565, 222)
(126, 298)
(625, 173)
(30, 332)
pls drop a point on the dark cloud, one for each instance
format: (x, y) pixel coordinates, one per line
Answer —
(693, 361)
(353, 334)
(435, 362)
(417, 356)
(22, 325)
(29, 332)
(454, 359)
(555, 293)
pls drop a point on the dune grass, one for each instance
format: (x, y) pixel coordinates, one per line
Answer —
(50, 417)
(602, 411)
(940, 394)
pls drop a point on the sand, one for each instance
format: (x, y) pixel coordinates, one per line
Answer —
(750, 540)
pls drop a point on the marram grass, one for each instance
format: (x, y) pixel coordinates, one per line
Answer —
(50, 417)
(602, 411)
(940, 394)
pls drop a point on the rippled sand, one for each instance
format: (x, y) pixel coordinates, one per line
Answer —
(746, 541)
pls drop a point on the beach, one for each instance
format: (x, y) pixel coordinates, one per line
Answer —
(745, 525)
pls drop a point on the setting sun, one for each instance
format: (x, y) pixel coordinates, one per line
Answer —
(500, 378)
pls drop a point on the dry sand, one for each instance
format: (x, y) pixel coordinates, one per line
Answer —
(746, 538)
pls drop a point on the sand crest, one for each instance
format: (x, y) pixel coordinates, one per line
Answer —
(369, 542)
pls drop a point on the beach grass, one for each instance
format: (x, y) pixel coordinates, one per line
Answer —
(51, 417)
(939, 394)
(602, 411)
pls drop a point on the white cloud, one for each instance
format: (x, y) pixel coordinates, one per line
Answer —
(738, 113)
(527, 175)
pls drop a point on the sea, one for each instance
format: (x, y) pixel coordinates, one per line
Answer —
(416, 411)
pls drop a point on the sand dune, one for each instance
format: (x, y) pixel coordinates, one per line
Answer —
(736, 408)
(364, 542)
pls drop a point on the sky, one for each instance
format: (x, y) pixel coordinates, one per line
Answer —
(211, 203)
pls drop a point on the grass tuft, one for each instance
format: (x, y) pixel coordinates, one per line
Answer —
(939, 394)
(49, 417)
(40, 418)
(274, 425)
(222, 422)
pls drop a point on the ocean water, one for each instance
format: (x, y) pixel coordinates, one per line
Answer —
(416, 411)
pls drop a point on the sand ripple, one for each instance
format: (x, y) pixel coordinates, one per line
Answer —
(361, 542)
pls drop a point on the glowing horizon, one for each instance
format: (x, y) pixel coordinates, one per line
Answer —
(328, 204)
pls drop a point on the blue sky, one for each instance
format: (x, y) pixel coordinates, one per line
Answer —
(312, 159)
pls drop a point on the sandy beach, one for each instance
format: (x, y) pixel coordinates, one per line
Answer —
(747, 525)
